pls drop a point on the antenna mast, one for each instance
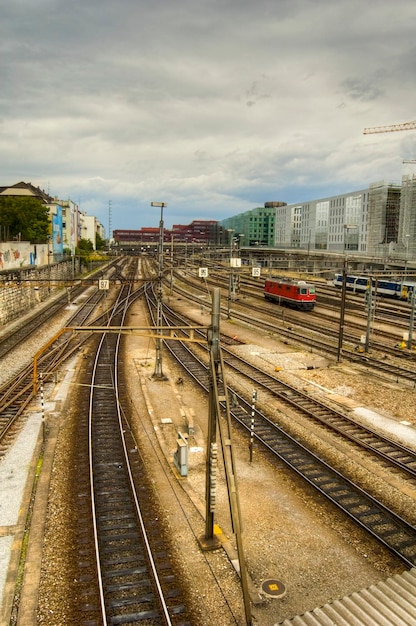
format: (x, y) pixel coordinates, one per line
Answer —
(109, 221)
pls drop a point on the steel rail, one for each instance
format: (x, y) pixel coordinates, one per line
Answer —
(308, 319)
(391, 370)
(123, 550)
(382, 523)
(397, 454)
(16, 395)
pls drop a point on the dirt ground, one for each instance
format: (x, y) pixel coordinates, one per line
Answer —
(290, 534)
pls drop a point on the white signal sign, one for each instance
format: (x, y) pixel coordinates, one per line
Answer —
(235, 262)
(103, 284)
(203, 272)
(256, 271)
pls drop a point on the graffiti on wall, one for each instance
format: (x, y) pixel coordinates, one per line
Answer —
(16, 254)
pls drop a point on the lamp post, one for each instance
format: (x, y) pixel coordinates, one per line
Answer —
(236, 277)
(171, 264)
(411, 319)
(158, 373)
(342, 311)
(343, 293)
(230, 279)
(49, 263)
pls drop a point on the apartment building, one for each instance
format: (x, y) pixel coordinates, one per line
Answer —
(67, 223)
(379, 220)
(89, 227)
(70, 224)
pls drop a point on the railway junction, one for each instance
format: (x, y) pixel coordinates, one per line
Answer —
(287, 537)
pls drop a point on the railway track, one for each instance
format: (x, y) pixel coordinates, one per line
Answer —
(389, 311)
(329, 345)
(15, 395)
(137, 583)
(389, 528)
(125, 575)
(381, 339)
(394, 453)
(313, 340)
(122, 602)
(22, 331)
(397, 316)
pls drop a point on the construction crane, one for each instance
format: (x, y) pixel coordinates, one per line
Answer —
(409, 161)
(391, 128)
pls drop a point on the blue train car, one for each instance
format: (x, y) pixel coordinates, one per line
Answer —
(385, 287)
(408, 289)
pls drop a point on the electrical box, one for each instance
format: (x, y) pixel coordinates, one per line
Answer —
(180, 457)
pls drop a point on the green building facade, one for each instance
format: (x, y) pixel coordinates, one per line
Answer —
(256, 227)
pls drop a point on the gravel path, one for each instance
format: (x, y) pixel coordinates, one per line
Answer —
(289, 533)
(19, 462)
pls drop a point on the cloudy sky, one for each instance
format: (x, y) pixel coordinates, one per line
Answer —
(212, 106)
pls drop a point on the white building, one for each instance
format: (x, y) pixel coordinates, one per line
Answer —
(365, 221)
(89, 227)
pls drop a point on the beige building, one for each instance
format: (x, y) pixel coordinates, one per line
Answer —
(90, 227)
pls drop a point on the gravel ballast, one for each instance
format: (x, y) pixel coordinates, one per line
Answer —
(289, 533)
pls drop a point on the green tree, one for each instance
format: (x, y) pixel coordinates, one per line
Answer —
(100, 243)
(25, 218)
(84, 247)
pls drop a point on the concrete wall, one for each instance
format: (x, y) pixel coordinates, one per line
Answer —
(23, 289)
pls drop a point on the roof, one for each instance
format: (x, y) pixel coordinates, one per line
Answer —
(391, 602)
(26, 189)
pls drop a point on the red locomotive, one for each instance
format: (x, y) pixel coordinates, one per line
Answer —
(294, 293)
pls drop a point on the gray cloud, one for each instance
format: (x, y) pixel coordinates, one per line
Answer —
(362, 89)
(208, 105)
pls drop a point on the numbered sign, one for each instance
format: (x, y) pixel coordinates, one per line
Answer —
(103, 284)
(255, 271)
(203, 272)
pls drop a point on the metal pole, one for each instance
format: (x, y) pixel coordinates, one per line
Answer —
(411, 320)
(158, 373)
(230, 277)
(49, 268)
(217, 379)
(253, 406)
(236, 286)
(342, 312)
(369, 315)
(171, 264)
(42, 404)
(209, 541)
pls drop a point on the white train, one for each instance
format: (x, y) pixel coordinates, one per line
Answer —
(401, 289)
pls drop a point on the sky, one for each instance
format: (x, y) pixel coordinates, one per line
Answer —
(211, 106)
